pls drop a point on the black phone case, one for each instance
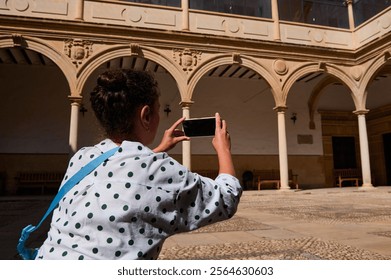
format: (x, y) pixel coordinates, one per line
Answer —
(200, 127)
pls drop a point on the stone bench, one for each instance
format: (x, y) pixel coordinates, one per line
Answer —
(39, 180)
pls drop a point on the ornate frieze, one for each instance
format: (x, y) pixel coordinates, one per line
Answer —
(78, 50)
(187, 59)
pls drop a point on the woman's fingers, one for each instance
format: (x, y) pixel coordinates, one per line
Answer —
(176, 124)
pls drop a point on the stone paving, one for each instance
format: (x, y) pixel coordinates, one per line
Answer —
(326, 224)
(323, 224)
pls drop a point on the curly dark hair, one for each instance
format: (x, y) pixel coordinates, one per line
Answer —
(118, 95)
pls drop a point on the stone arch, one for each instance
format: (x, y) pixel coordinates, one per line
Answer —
(315, 96)
(131, 50)
(224, 59)
(46, 49)
(370, 73)
(330, 69)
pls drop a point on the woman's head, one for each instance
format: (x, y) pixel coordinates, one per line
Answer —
(119, 98)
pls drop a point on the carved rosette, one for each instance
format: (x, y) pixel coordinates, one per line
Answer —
(21, 5)
(280, 67)
(187, 59)
(78, 50)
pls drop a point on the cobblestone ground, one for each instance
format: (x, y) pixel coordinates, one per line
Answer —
(17, 213)
(326, 224)
(287, 249)
(361, 210)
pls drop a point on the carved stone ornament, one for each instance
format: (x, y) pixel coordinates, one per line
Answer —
(135, 49)
(322, 66)
(280, 67)
(236, 58)
(187, 59)
(78, 50)
(18, 40)
(21, 5)
(356, 72)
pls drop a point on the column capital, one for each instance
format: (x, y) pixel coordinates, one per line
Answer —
(279, 109)
(75, 99)
(348, 2)
(185, 104)
(361, 112)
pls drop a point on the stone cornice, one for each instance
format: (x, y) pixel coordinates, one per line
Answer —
(60, 29)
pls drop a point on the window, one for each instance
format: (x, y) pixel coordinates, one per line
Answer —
(332, 13)
(255, 8)
(366, 9)
(172, 3)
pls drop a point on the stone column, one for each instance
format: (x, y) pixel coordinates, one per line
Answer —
(282, 149)
(74, 124)
(276, 19)
(185, 14)
(186, 145)
(349, 3)
(364, 149)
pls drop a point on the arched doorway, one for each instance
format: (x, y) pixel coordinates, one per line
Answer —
(245, 100)
(89, 130)
(327, 105)
(34, 114)
(379, 129)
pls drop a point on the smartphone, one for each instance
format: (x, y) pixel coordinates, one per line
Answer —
(199, 127)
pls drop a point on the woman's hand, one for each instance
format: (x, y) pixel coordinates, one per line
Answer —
(222, 144)
(171, 137)
(221, 141)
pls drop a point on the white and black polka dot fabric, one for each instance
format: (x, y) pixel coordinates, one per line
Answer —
(131, 203)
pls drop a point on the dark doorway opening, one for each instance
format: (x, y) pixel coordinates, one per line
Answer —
(387, 156)
(344, 152)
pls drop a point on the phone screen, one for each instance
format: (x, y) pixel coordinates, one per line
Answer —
(199, 127)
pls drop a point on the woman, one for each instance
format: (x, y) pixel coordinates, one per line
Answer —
(131, 203)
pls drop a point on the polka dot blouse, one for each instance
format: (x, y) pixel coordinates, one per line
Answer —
(131, 203)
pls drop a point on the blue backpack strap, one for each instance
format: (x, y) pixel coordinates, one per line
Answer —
(75, 179)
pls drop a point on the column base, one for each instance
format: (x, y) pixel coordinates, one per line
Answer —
(367, 186)
(285, 189)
